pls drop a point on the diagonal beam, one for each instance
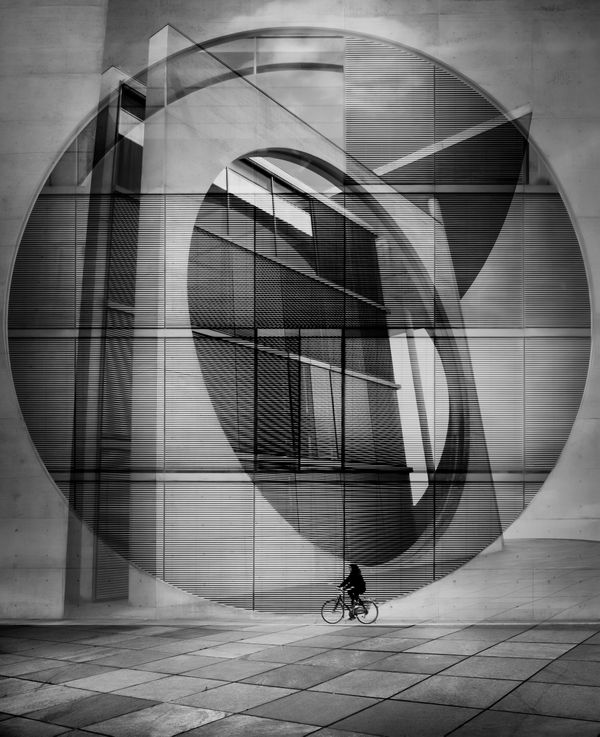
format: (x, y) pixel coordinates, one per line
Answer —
(445, 143)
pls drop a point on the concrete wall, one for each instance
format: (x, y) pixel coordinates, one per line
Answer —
(51, 56)
(50, 59)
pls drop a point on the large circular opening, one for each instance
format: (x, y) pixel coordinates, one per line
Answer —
(313, 300)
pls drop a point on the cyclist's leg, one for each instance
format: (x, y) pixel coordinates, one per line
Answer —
(359, 602)
(353, 597)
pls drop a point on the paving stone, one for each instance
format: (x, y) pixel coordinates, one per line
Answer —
(331, 732)
(506, 724)
(576, 672)
(69, 672)
(477, 693)
(233, 669)
(235, 697)
(332, 641)
(311, 707)
(451, 647)
(53, 633)
(180, 633)
(312, 630)
(545, 633)
(178, 647)
(387, 644)
(184, 633)
(8, 658)
(543, 650)
(144, 642)
(415, 662)
(486, 633)
(295, 675)
(583, 652)
(14, 645)
(89, 710)
(352, 630)
(178, 663)
(104, 630)
(224, 636)
(285, 654)
(41, 698)
(380, 684)
(115, 680)
(431, 632)
(162, 720)
(25, 666)
(114, 638)
(20, 727)
(94, 654)
(276, 638)
(405, 719)
(398, 631)
(129, 658)
(369, 630)
(266, 629)
(170, 688)
(558, 700)
(12, 686)
(233, 650)
(347, 659)
(517, 669)
(68, 651)
(241, 725)
(154, 629)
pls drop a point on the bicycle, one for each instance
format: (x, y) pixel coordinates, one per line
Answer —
(365, 610)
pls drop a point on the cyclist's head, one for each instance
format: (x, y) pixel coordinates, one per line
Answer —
(354, 567)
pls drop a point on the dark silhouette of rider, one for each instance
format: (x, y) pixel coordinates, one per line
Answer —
(354, 584)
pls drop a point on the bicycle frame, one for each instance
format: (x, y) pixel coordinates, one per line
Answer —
(358, 601)
(333, 610)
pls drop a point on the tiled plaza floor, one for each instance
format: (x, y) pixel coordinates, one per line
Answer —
(294, 677)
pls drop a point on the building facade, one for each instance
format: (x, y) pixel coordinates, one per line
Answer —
(286, 298)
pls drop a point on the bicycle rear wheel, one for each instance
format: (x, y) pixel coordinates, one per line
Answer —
(366, 612)
(332, 611)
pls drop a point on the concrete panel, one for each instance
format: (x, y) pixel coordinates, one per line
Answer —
(572, 146)
(50, 60)
(35, 593)
(76, 27)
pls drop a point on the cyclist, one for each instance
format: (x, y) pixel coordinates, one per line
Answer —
(354, 584)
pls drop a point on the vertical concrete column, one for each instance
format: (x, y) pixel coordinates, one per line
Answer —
(147, 493)
(148, 372)
(49, 83)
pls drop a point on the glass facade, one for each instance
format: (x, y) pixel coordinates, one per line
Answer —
(292, 301)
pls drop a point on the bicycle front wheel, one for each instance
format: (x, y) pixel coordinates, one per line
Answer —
(332, 611)
(367, 612)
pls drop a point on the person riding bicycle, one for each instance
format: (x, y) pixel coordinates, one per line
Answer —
(354, 584)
